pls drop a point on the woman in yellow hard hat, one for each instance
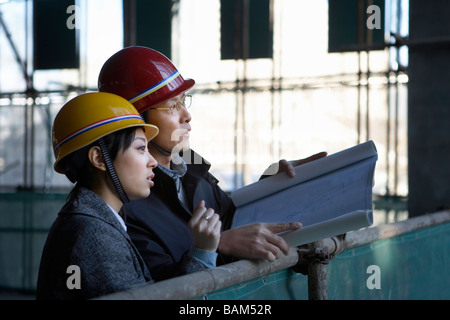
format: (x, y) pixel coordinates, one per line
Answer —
(100, 143)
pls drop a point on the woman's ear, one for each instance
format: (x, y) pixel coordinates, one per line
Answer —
(96, 158)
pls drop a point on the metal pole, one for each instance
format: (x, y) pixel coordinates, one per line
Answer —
(317, 271)
(388, 129)
(201, 283)
(317, 281)
(358, 111)
(368, 98)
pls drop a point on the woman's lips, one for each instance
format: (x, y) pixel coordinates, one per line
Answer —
(150, 180)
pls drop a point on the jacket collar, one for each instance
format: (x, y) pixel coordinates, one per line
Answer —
(89, 203)
(165, 186)
(196, 165)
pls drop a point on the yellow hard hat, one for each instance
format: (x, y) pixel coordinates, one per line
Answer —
(90, 116)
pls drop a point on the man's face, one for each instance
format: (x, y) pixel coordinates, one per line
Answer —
(173, 124)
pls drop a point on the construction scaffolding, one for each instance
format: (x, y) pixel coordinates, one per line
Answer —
(264, 111)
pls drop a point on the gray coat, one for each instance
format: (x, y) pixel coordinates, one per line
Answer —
(88, 235)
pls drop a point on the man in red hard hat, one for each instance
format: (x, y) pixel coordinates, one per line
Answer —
(158, 224)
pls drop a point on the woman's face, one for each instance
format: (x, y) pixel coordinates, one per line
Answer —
(173, 125)
(134, 167)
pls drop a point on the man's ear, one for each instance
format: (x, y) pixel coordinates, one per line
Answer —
(96, 158)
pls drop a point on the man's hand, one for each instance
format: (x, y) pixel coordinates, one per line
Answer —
(288, 166)
(256, 241)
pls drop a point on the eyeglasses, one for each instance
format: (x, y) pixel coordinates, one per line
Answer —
(184, 102)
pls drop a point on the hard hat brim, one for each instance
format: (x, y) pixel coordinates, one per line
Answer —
(150, 132)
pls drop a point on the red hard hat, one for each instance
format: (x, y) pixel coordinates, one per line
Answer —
(143, 76)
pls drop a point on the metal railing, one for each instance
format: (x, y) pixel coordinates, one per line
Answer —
(310, 259)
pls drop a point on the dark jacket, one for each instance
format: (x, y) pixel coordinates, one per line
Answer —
(88, 235)
(158, 224)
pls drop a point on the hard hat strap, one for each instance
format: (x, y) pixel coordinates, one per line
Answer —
(112, 172)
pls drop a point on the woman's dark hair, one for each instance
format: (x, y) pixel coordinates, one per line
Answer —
(79, 168)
